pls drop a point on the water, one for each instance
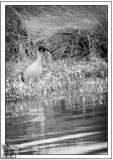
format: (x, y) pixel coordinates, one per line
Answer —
(58, 127)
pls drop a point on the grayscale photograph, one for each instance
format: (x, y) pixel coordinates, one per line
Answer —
(56, 80)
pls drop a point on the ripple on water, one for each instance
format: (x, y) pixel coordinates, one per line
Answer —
(74, 125)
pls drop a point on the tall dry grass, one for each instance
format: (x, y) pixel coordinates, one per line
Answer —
(77, 37)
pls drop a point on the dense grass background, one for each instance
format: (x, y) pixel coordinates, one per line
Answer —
(78, 39)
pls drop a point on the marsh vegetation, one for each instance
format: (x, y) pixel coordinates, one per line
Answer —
(77, 37)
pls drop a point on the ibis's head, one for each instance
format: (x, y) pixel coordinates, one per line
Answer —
(41, 49)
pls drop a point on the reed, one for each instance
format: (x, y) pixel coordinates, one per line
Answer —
(60, 80)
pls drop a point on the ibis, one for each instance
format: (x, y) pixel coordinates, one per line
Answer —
(34, 71)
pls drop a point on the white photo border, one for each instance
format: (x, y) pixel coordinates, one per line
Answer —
(109, 3)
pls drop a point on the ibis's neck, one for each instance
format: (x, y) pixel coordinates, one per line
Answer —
(39, 58)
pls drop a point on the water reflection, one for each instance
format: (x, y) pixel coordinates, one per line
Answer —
(48, 126)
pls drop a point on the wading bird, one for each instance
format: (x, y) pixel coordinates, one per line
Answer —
(33, 72)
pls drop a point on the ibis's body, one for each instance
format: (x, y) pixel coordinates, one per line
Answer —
(33, 71)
